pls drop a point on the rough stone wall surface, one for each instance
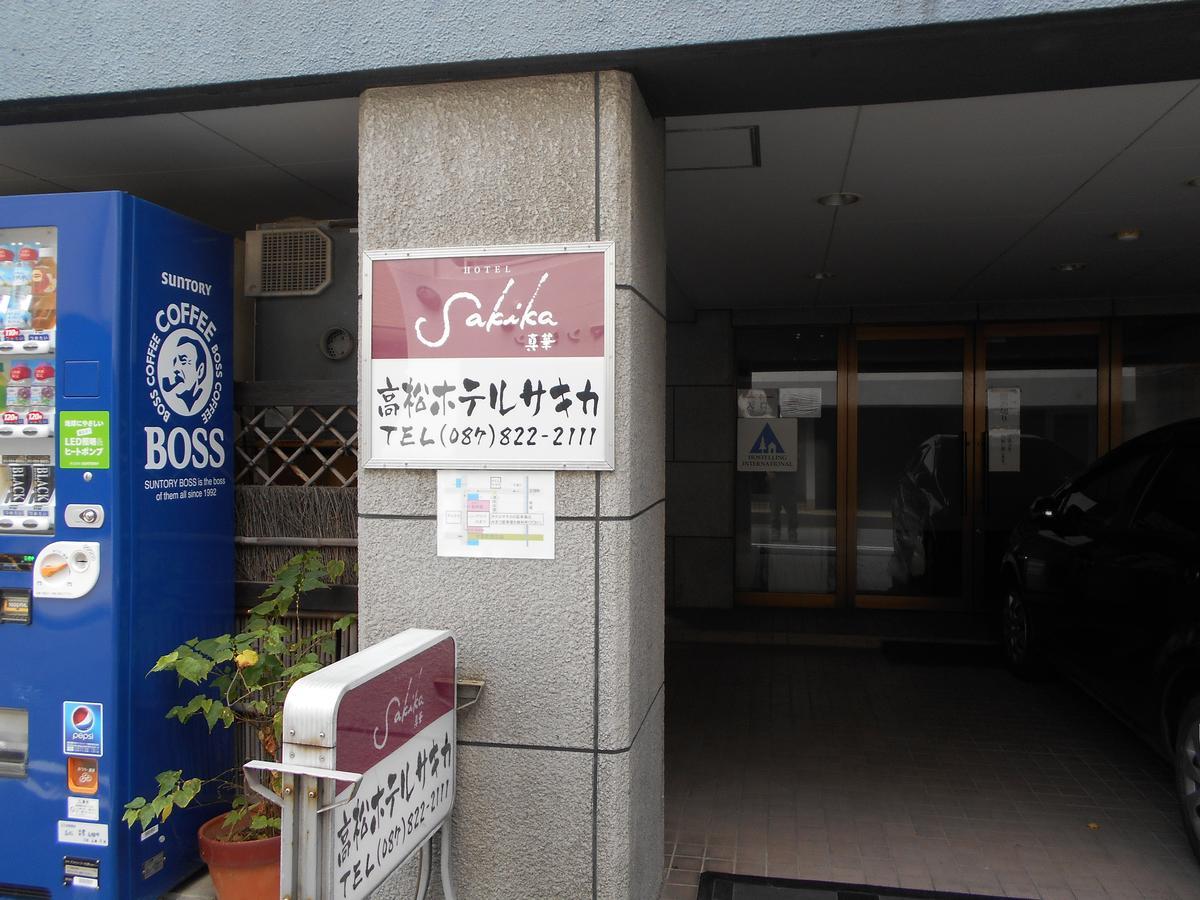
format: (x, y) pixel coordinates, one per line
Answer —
(561, 761)
(109, 46)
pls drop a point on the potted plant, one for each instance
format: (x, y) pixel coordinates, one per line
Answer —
(243, 679)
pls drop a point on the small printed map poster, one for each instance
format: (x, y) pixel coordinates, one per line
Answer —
(496, 515)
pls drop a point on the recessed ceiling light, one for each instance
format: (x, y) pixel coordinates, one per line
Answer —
(822, 276)
(1070, 267)
(1128, 234)
(841, 198)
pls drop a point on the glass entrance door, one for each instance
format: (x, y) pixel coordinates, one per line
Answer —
(910, 462)
(916, 451)
(1041, 416)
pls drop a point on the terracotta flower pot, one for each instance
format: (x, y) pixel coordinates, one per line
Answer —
(240, 870)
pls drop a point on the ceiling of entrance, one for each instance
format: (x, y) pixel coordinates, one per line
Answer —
(962, 200)
(232, 168)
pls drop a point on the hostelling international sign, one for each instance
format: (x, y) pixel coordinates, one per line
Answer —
(488, 357)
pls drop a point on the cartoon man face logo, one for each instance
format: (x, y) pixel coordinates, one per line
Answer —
(184, 375)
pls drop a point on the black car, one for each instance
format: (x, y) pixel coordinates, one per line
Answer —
(927, 508)
(1102, 581)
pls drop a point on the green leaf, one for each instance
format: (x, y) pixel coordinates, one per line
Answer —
(167, 780)
(193, 669)
(187, 792)
(344, 622)
(218, 649)
(166, 661)
(199, 703)
(335, 569)
(212, 713)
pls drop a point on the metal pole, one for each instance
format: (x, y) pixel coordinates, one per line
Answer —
(447, 877)
(288, 838)
(309, 886)
(245, 540)
(423, 872)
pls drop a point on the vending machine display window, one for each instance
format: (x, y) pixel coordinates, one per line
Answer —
(28, 316)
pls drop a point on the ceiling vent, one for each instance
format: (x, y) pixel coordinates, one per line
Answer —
(288, 262)
(705, 149)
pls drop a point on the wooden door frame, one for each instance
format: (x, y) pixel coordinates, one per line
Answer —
(848, 537)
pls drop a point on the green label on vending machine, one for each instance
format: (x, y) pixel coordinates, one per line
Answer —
(83, 440)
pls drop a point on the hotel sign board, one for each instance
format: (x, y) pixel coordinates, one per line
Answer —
(488, 357)
(378, 729)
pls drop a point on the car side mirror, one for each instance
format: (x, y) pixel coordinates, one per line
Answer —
(1044, 508)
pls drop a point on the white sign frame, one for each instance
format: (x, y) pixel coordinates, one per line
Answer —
(366, 388)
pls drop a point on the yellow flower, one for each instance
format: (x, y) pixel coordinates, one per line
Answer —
(246, 658)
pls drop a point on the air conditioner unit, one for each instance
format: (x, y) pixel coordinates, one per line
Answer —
(288, 261)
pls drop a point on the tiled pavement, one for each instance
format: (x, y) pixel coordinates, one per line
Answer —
(854, 766)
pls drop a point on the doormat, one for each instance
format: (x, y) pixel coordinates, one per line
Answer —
(722, 886)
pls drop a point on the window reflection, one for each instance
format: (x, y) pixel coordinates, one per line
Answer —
(787, 460)
(1160, 373)
(910, 467)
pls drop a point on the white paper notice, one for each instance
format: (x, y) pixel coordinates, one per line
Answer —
(800, 403)
(1004, 429)
(82, 833)
(83, 808)
(499, 515)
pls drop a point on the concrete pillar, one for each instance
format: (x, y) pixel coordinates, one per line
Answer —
(560, 791)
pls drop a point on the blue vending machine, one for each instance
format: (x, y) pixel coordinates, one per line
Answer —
(116, 531)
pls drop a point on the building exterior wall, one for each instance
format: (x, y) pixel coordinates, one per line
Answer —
(700, 460)
(59, 49)
(560, 762)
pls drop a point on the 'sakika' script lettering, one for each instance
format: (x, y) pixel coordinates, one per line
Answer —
(411, 706)
(527, 318)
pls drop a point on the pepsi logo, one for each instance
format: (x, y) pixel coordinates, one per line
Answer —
(83, 719)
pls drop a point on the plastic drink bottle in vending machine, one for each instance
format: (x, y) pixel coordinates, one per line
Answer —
(43, 307)
(7, 262)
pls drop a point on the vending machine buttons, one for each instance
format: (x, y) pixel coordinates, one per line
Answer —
(83, 775)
